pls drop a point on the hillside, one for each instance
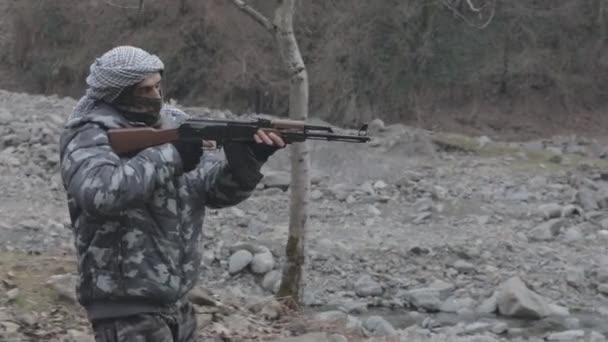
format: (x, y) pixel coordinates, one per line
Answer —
(538, 69)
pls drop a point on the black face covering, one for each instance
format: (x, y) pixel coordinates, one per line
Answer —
(140, 109)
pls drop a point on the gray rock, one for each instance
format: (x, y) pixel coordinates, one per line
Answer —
(483, 141)
(333, 315)
(237, 212)
(354, 307)
(464, 266)
(239, 260)
(262, 263)
(5, 116)
(547, 230)
(604, 223)
(337, 316)
(429, 298)
(572, 323)
(8, 327)
(573, 234)
(516, 300)
(379, 185)
(586, 198)
(337, 338)
(276, 179)
(422, 217)
(251, 248)
(575, 276)
(272, 281)
(602, 273)
(557, 310)
(367, 287)
(499, 328)
(601, 288)
(341, 191)
(377, 326)
(309, 337)
(569, 336)
(376, 126)
(456, 304)
(65, 287)
(594, 336)
(316, 195)
(489, 305)
(518, 196)
(550, 210)
(373, 210)
(571, 210)
(12, 294)
(477, 327)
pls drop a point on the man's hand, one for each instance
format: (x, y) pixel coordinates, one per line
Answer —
(190, 153)
(267, 144)
(270, 139)
(246, 158)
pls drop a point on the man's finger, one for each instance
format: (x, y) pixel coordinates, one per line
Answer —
(264, 137)
(276, 139)
(257, 138)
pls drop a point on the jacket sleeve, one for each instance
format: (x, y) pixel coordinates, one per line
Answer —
(220, 185)
(101, 182)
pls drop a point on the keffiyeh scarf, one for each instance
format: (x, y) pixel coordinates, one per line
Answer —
(115, 70)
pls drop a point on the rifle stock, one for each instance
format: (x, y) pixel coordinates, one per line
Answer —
(129, 140)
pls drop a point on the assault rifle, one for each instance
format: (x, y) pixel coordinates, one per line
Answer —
(217, 132)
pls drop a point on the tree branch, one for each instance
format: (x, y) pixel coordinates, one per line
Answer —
(141, 4)
(256, 15)
(472, 7)
(447, 4)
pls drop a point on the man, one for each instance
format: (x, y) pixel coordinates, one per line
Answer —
(137, 220)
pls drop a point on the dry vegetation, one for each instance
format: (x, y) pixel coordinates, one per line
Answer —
(537, 67)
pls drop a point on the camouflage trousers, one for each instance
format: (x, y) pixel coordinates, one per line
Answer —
(178, 325)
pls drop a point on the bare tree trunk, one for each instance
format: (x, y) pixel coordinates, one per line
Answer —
(282, 28)
(300, 157)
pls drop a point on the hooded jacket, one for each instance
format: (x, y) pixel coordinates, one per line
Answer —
(137, 221)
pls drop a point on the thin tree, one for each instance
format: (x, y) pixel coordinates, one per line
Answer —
(282, 30)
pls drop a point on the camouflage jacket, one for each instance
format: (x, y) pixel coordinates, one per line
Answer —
(137, 221)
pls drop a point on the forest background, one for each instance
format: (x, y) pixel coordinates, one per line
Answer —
(537, 68)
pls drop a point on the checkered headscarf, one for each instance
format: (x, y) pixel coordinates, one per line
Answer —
(115, 70)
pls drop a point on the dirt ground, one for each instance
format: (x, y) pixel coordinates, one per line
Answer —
(410, 210)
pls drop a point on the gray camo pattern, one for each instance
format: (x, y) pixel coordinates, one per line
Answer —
(137, 221)
(178, 325)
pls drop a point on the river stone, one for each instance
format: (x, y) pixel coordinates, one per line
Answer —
(239, 260)
(516, 300)
(262, 263)
(367, 287)
(550, 210)
(547, 230)
(568, 335)
(377, 326)
(272, 281)
(456, 304)
(276, 179)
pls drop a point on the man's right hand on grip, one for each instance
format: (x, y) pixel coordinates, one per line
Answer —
(190, 153)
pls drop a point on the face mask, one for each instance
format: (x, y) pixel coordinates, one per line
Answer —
(140, 109)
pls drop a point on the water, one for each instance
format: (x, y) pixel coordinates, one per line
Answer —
(529, 328)
(402, 319)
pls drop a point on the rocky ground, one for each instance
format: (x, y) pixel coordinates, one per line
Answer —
(417, 236)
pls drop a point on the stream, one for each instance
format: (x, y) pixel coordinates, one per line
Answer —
(401, 319)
